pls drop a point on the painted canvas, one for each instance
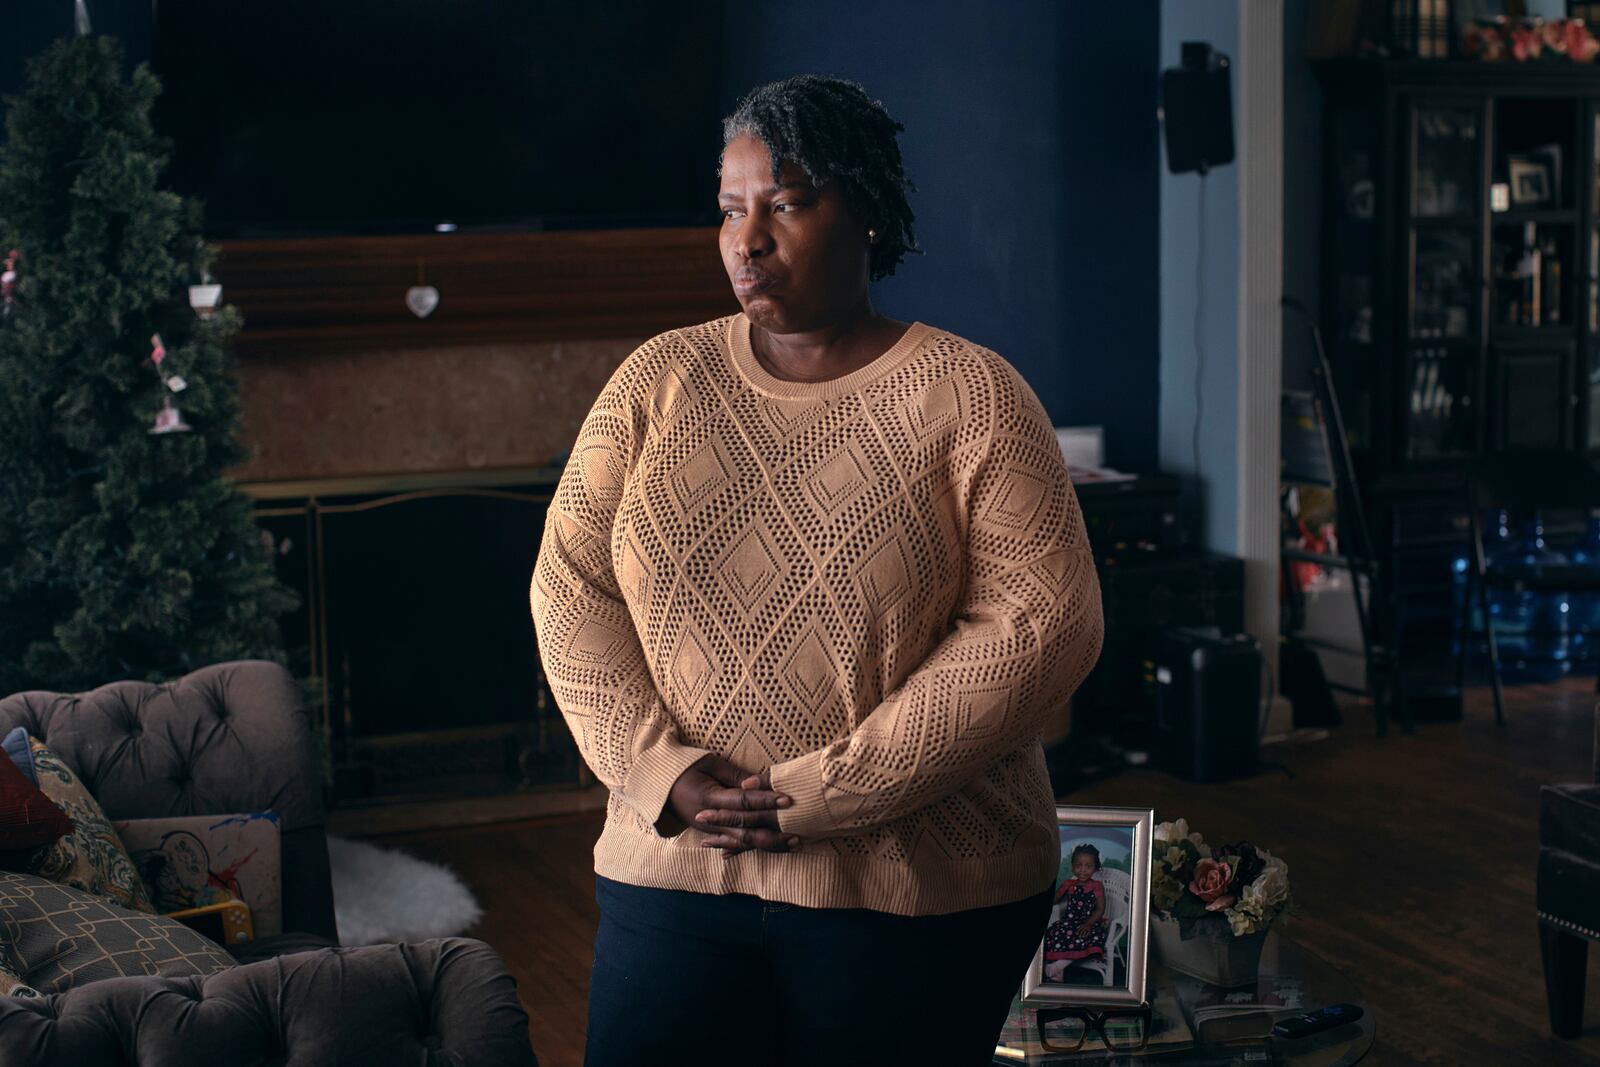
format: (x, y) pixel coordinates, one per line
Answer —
(193, 861)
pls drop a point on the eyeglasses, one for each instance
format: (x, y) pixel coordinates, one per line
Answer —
(1066, 1029)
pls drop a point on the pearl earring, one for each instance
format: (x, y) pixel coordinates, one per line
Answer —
(872, 237)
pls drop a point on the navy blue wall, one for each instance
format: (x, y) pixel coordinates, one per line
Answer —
(1032, 140)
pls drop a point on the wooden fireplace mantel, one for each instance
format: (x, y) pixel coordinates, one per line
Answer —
(348, 293)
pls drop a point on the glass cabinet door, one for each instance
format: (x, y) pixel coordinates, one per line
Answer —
(1589, 359)
(1444, 286)
(1441, 374)
(1446, 155)
(1440, 421)
(1588, 370)
(1591, 364)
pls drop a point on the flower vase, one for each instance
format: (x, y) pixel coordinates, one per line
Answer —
(1225, 961)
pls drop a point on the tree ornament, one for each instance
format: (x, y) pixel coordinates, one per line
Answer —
(8, 282)
(205, 297)
(169, 419)
(422, 298)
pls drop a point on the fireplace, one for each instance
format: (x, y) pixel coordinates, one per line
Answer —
(402, 468)
(415, 619)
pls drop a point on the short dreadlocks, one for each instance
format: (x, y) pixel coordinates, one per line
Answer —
(833, 130)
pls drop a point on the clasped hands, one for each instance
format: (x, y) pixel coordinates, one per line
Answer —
(737, 809)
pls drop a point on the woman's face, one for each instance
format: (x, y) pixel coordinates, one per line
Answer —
(796, 255)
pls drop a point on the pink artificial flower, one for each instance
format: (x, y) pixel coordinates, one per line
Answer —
(1227, 900)
(1553, 35)
(1211, 878)
(1524, 44)
(1581, 45)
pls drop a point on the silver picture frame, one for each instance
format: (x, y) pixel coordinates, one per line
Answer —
(1128, 917)
(1531, 181)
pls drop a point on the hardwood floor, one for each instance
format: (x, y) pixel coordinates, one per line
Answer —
(1411, 857)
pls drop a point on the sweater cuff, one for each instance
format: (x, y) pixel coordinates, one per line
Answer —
(800, 779)
(653, 773)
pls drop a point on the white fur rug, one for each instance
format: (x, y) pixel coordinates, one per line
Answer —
(382, 895)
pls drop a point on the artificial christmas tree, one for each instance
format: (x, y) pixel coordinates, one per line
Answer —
(124, 553)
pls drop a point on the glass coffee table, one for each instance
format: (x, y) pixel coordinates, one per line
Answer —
(1180, 1006)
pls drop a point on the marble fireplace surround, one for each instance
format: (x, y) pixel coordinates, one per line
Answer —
(339, 380)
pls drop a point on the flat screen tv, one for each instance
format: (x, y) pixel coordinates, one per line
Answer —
(311, 117)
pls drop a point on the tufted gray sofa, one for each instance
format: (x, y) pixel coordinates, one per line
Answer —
(231, 738)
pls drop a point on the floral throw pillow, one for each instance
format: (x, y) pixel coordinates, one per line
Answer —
(91, 857)
(12, 985)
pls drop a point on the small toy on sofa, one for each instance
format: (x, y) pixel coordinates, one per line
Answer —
(226, 922)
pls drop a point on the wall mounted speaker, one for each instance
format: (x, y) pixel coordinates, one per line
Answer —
(1197, 110)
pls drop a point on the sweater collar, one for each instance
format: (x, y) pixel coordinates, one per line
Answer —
(763, 381)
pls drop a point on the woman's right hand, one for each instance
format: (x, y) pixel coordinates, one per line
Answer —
(748, 817)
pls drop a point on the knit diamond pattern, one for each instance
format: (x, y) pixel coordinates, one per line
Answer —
(878, 587)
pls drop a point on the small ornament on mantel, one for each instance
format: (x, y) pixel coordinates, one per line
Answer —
(205, 297)
(8, 281)
(422, 298)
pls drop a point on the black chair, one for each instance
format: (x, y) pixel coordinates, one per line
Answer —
(1525, 482)
(1568, 893)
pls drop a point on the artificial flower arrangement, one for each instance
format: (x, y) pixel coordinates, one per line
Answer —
(1232, 890)
(1497, 39)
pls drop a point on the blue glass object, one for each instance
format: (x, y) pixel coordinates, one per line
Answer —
(1496, 538)
(1532, 628)
(1585, 615)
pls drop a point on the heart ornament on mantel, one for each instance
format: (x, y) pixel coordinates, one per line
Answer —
(422, 299)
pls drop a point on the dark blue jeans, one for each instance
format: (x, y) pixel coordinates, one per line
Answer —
(689, 978)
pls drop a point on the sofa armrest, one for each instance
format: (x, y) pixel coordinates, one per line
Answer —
(441, 1002)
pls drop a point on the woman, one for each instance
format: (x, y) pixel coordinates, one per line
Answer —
(812, 582)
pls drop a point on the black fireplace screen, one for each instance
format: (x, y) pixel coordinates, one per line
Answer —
(415, 620)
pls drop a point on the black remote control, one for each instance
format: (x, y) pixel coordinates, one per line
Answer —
(1313, 1022)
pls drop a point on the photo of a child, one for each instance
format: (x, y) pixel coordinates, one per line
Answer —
(1095, 945)
(1086, 941)
(1078, 931)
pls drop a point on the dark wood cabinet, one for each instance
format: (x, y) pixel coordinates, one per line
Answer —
(1461, 258)
(1460, 306)
(1533, 399)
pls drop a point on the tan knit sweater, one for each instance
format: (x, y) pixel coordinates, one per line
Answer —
(878, 586)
